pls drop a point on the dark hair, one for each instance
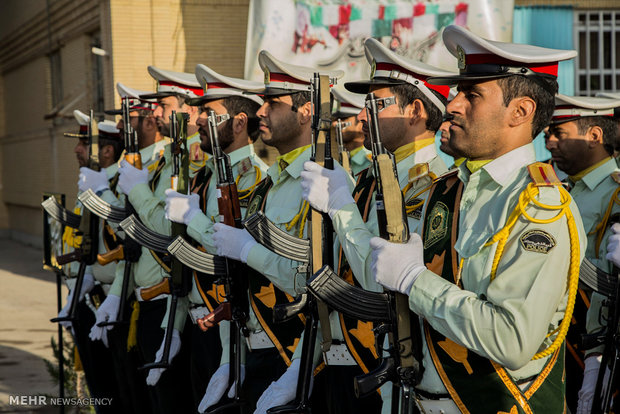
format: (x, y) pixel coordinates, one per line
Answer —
(516, 86)
(238, 104)
(407, 93)
(117, 145)
(606, 123)
(300, 98)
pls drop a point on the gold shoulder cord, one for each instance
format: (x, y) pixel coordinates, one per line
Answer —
(526, 197)
(410, 209)
(248, 191)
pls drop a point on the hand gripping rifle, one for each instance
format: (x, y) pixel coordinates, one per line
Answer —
(88, 227)
(389, 310)
(342, 151)
(236, 307)
(129, 249)
(179, 281)
(321, 245)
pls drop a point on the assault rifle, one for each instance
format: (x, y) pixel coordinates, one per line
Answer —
(128, 249)
(88, 227)
(342, 151)
(321, 244)
(236, 307)
(179, 275)
(389, 310)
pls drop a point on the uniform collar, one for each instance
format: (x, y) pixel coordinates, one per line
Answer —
(295, 168)
(594, 177)
(235, 156)
(359, 155)
(503, 168)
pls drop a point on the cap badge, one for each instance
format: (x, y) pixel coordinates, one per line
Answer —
(373, 69)
(266, 80)
(461, 57)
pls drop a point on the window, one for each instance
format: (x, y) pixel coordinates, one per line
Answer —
(597, 33)
(97, 75)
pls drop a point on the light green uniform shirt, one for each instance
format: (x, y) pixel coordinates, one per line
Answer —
(359, 160)
(592, 194)
(506, 320)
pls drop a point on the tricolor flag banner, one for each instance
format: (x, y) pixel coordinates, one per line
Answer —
(330, 34)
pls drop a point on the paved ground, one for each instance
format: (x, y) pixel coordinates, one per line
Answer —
(27, 302)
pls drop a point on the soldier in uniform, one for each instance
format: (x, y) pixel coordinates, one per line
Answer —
(500, 242)
(410, 114)
(95, 357)
(199, 211)
(285, 123)
(169, 389)
(580, 139)
(347, 106)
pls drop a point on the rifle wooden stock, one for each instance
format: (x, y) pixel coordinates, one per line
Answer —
(74, 256)
(344, 161)
(222, 313)
(113, 255)
(228, 204)
(162, 288)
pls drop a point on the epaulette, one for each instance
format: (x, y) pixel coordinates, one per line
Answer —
(616, 176)
(418, 171)
(244, 166)
(543, 175)
(196, 154)
(448, 174)
(369, 156)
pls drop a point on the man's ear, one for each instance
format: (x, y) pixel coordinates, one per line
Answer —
(415, 112)
(521, 110)
(240, 123)
(106, 151)
(305, 113)
(595, 136)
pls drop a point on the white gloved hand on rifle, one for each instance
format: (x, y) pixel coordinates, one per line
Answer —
(397, 265)
(588, 386)
(92, 180)
(282, 391)
(88, 283)
(232, 242)
(130, 176)
(217, 387)
(175, 347)
(181, 208)
(107, 312)
(326, 190)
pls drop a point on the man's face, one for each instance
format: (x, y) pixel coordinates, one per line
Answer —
(444, 128)
(479, 118)
(392, 122)
(278, 121)
(136, 122)
(224, 130)
(353, 131)
(567, 147)
(162, 113)
(81, 152)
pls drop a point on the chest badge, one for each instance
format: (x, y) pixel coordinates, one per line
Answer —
(537, 241)
(436, 224)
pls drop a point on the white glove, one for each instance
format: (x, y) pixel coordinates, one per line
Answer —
(613, 245)
(590, 375)
(281, 391)
(107, 312)
(232, 242)
(92, 180)
(396, 265)
(88, 283)
(175, 347)
(130, 176)
(326, 190)
(181, 208)
(217, 386)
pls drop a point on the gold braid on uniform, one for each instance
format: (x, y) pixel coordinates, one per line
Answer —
(248, 191)
(411, 209)
(526, 197)
(300, 217)
(602, 226)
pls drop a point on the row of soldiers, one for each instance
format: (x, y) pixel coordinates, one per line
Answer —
(485, 256)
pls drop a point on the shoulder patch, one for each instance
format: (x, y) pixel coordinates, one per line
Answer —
(244, 166)
(418, 171)
(616, 176)
(415, 204)
(537, 241)
(195, 153)
(543, 174)
(369, 156)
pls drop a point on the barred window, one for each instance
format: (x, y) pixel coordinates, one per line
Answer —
(597, 33)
